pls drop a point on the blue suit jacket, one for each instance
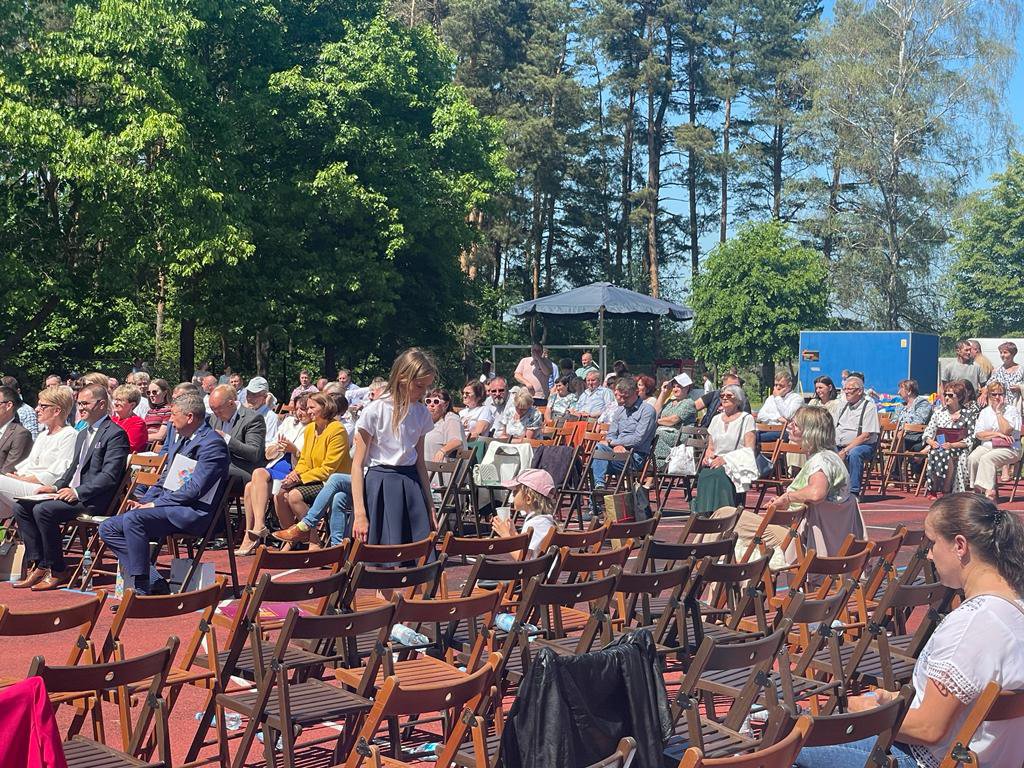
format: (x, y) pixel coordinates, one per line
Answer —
(210, 453)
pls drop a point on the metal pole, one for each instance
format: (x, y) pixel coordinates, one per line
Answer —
(604, 356)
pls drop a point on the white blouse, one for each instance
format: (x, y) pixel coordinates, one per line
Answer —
(470, 416)
(51, 455)
(952, 659)
(729, 437)
(987, 422)
(385, 447)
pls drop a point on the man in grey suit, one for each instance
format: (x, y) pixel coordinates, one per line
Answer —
(15, 440)
(243, 429)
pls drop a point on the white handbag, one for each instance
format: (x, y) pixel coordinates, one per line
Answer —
(681, 461)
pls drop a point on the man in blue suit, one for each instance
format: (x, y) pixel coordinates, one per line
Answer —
(162, 512)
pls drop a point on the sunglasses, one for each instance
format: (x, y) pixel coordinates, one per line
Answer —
(949, 394)
(433, 401)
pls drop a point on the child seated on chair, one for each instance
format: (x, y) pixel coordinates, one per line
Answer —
(534, 496)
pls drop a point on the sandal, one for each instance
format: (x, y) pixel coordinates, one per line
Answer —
(257, 538)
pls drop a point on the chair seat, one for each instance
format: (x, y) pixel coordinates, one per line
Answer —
(870, 667)
(424, 670)
(310, 702)
(728, 682)
(81, 752)
(563, 646)
(467, 758)
(246, 667)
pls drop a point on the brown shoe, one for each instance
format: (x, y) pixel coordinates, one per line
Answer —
(293, 534)
(53, 581)
(34, 576)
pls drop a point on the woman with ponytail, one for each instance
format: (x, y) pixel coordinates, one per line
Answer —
(392, 503)
(977, 548)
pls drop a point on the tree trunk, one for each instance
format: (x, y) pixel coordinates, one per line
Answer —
(622, 235)
(330, 362)
(550, 247)
(187, 348)
(778, 136)
(831, 212)
(726, 125)
(536, 238)
(161, 299)
(691, 169)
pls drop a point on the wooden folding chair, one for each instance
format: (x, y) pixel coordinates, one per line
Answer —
(551, 603)
(80, 618)
(900, 460)
(447, 478)
(636, 591)
(622, 757)
(631, 533)
(469, 551)
(196, 546)
(778, 478)
(135, 610)
(695, 438)
(718, 525)
(89, 683)
(247, 645)
(992, 706)
(712, 735)
(289, 694)
(779, 755)
(883, 722)
(575, 541)
(461, 702)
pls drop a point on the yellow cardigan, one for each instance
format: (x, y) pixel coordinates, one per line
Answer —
(323, 454)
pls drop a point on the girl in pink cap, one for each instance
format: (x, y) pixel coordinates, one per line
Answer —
(533, 495)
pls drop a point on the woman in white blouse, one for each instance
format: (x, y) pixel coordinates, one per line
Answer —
(52, 452)
(448, 433)
(476, 416)
(731, 430)
(998, 430)
(979, 549)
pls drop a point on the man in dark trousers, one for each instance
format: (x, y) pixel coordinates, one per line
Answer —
(89, 486)
(190, 486)
(243, 430)
(15, 440)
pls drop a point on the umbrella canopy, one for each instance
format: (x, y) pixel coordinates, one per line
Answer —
(599, 300)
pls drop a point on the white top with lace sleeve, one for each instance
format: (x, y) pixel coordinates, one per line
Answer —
(981, 641)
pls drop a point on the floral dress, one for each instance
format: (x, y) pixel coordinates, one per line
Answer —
(666, 437)
(942, 460)
(1009, 379)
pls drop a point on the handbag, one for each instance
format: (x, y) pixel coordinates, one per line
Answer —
(764, 465)
(632, 505)
(1002, 441)
(681, 461)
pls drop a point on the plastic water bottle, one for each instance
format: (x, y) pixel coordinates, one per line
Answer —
(404, 635)
(87, 566)
(280, 742)
(504, 621)
(232, 721)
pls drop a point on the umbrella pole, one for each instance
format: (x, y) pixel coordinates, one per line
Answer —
(604, 356)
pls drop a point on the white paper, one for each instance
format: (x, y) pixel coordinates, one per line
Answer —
(180, 473)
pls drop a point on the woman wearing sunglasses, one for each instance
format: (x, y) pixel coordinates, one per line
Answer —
(448, 434)
(159, 413)
(948, 439)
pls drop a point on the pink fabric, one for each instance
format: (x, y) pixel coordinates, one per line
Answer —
(28, 733)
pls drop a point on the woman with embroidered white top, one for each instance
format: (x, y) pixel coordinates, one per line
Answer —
(979, 549)
(998, 430)
(476, 416)
(534, 496)
(392, 503)
(52, 452)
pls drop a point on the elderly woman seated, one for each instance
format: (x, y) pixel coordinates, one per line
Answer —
(521, 422)
(447, 434)
(998, 433)
(822, 485)
(731, 438)
(675, 409)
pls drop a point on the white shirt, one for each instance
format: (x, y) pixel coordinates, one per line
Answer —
(951, 659)
(848, 418)
(384, 446)
(470, 416)
(143, 407)
(271, 420)
(538, 526)
(50, 457)
(987, 422)
(776, 408)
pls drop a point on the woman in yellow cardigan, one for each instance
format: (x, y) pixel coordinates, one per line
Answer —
(324, 452)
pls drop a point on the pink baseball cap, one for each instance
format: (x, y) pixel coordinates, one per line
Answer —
(538, 480)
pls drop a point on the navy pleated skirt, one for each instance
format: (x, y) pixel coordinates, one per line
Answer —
(395, 506)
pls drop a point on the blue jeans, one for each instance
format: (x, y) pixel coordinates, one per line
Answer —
(336, 494)
(855, 461)
(601, 467)
(852, 755)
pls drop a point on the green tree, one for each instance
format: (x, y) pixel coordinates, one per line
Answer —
(757, 291)
(986, 281)
(914, 90)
